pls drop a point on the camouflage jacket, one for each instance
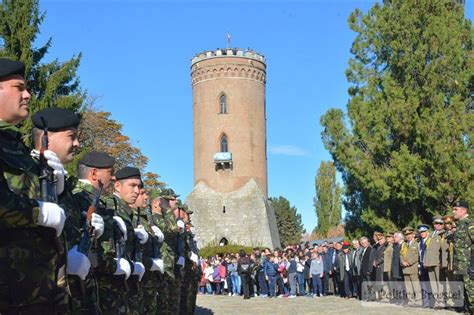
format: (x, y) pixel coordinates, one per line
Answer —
(167, 224)
(463, 247)
(83, 193)
(117, 207)
(28, 258)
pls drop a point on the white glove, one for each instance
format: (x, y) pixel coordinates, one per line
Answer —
(141, 234)
(193, 230)
(98, 224)
(157, 265)
(77, 263)
(138, 270)
(58, 169)
(181, 225)
(159, 235)
(194, 258)
(122, 226)
(180, 261)
(51, 215)
(123, 268)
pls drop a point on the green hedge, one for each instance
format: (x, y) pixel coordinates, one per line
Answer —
(213, 250)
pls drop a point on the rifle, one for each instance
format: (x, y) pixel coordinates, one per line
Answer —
(87, 237)
(48, 188)
(119, 244)
(155, 245)
(137, 248)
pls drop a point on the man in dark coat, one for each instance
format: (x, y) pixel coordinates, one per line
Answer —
(366, 269)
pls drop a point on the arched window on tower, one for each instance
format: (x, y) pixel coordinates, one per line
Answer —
(224, 144)
(223, 104)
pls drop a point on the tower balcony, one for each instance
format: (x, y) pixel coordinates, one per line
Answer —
(223, 161)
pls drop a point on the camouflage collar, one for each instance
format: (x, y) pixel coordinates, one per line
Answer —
(10, 130)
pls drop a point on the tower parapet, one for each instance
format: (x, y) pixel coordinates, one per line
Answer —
(228, 52)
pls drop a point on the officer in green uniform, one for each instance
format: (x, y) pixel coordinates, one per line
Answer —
(463, 263)
(94, 171)
(28, 226)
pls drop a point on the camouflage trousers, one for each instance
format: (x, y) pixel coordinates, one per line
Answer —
(135, 296)
(84, 295)
(468, 293)
(113, 294)
(189, 288)
(150, 283)
(169, 294)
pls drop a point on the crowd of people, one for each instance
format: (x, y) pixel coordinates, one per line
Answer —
(431, 268)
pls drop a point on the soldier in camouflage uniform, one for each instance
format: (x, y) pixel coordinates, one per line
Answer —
(190, 281)
(463, 263)
(117, 241)
(28, 226)
(143, 294)
(191, 261)
(169, 287)
(94, 168)
(62, 140)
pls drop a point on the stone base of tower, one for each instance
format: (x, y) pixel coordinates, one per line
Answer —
(241, 217)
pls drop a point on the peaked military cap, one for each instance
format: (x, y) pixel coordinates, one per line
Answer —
(127, 172)
(185, 207)
(154, 193)
(438, 219)
(408, 230)
(97, 160)
(461, 204)
(55, 118)
(11, 67)
(423, 228)
(168, 193)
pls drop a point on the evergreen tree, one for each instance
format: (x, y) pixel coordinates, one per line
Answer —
(407, 153)
(327, 202)
(288, 220)
(53, 84)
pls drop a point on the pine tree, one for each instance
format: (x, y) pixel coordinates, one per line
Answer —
(327, 202)
(288, 220)
(407, 153)
(53, 84)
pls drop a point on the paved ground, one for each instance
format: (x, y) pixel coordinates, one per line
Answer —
(209, 304)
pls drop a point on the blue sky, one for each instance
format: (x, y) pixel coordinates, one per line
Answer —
(136, 59)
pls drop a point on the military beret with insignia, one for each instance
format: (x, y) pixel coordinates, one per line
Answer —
(11, 67)
(56, 119)
(127, 172)
(461, 204)
(97, 160)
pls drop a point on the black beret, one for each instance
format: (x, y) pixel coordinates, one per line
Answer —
(127, 172)
(55, 118)
(97, 160)
(11, 67)
(462, 204)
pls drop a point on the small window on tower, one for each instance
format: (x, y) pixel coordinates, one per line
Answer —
(224, 144)
(223, 104)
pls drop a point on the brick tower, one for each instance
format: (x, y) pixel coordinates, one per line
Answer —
(230, 161)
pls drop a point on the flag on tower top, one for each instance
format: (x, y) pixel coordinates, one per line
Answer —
(228, 40)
